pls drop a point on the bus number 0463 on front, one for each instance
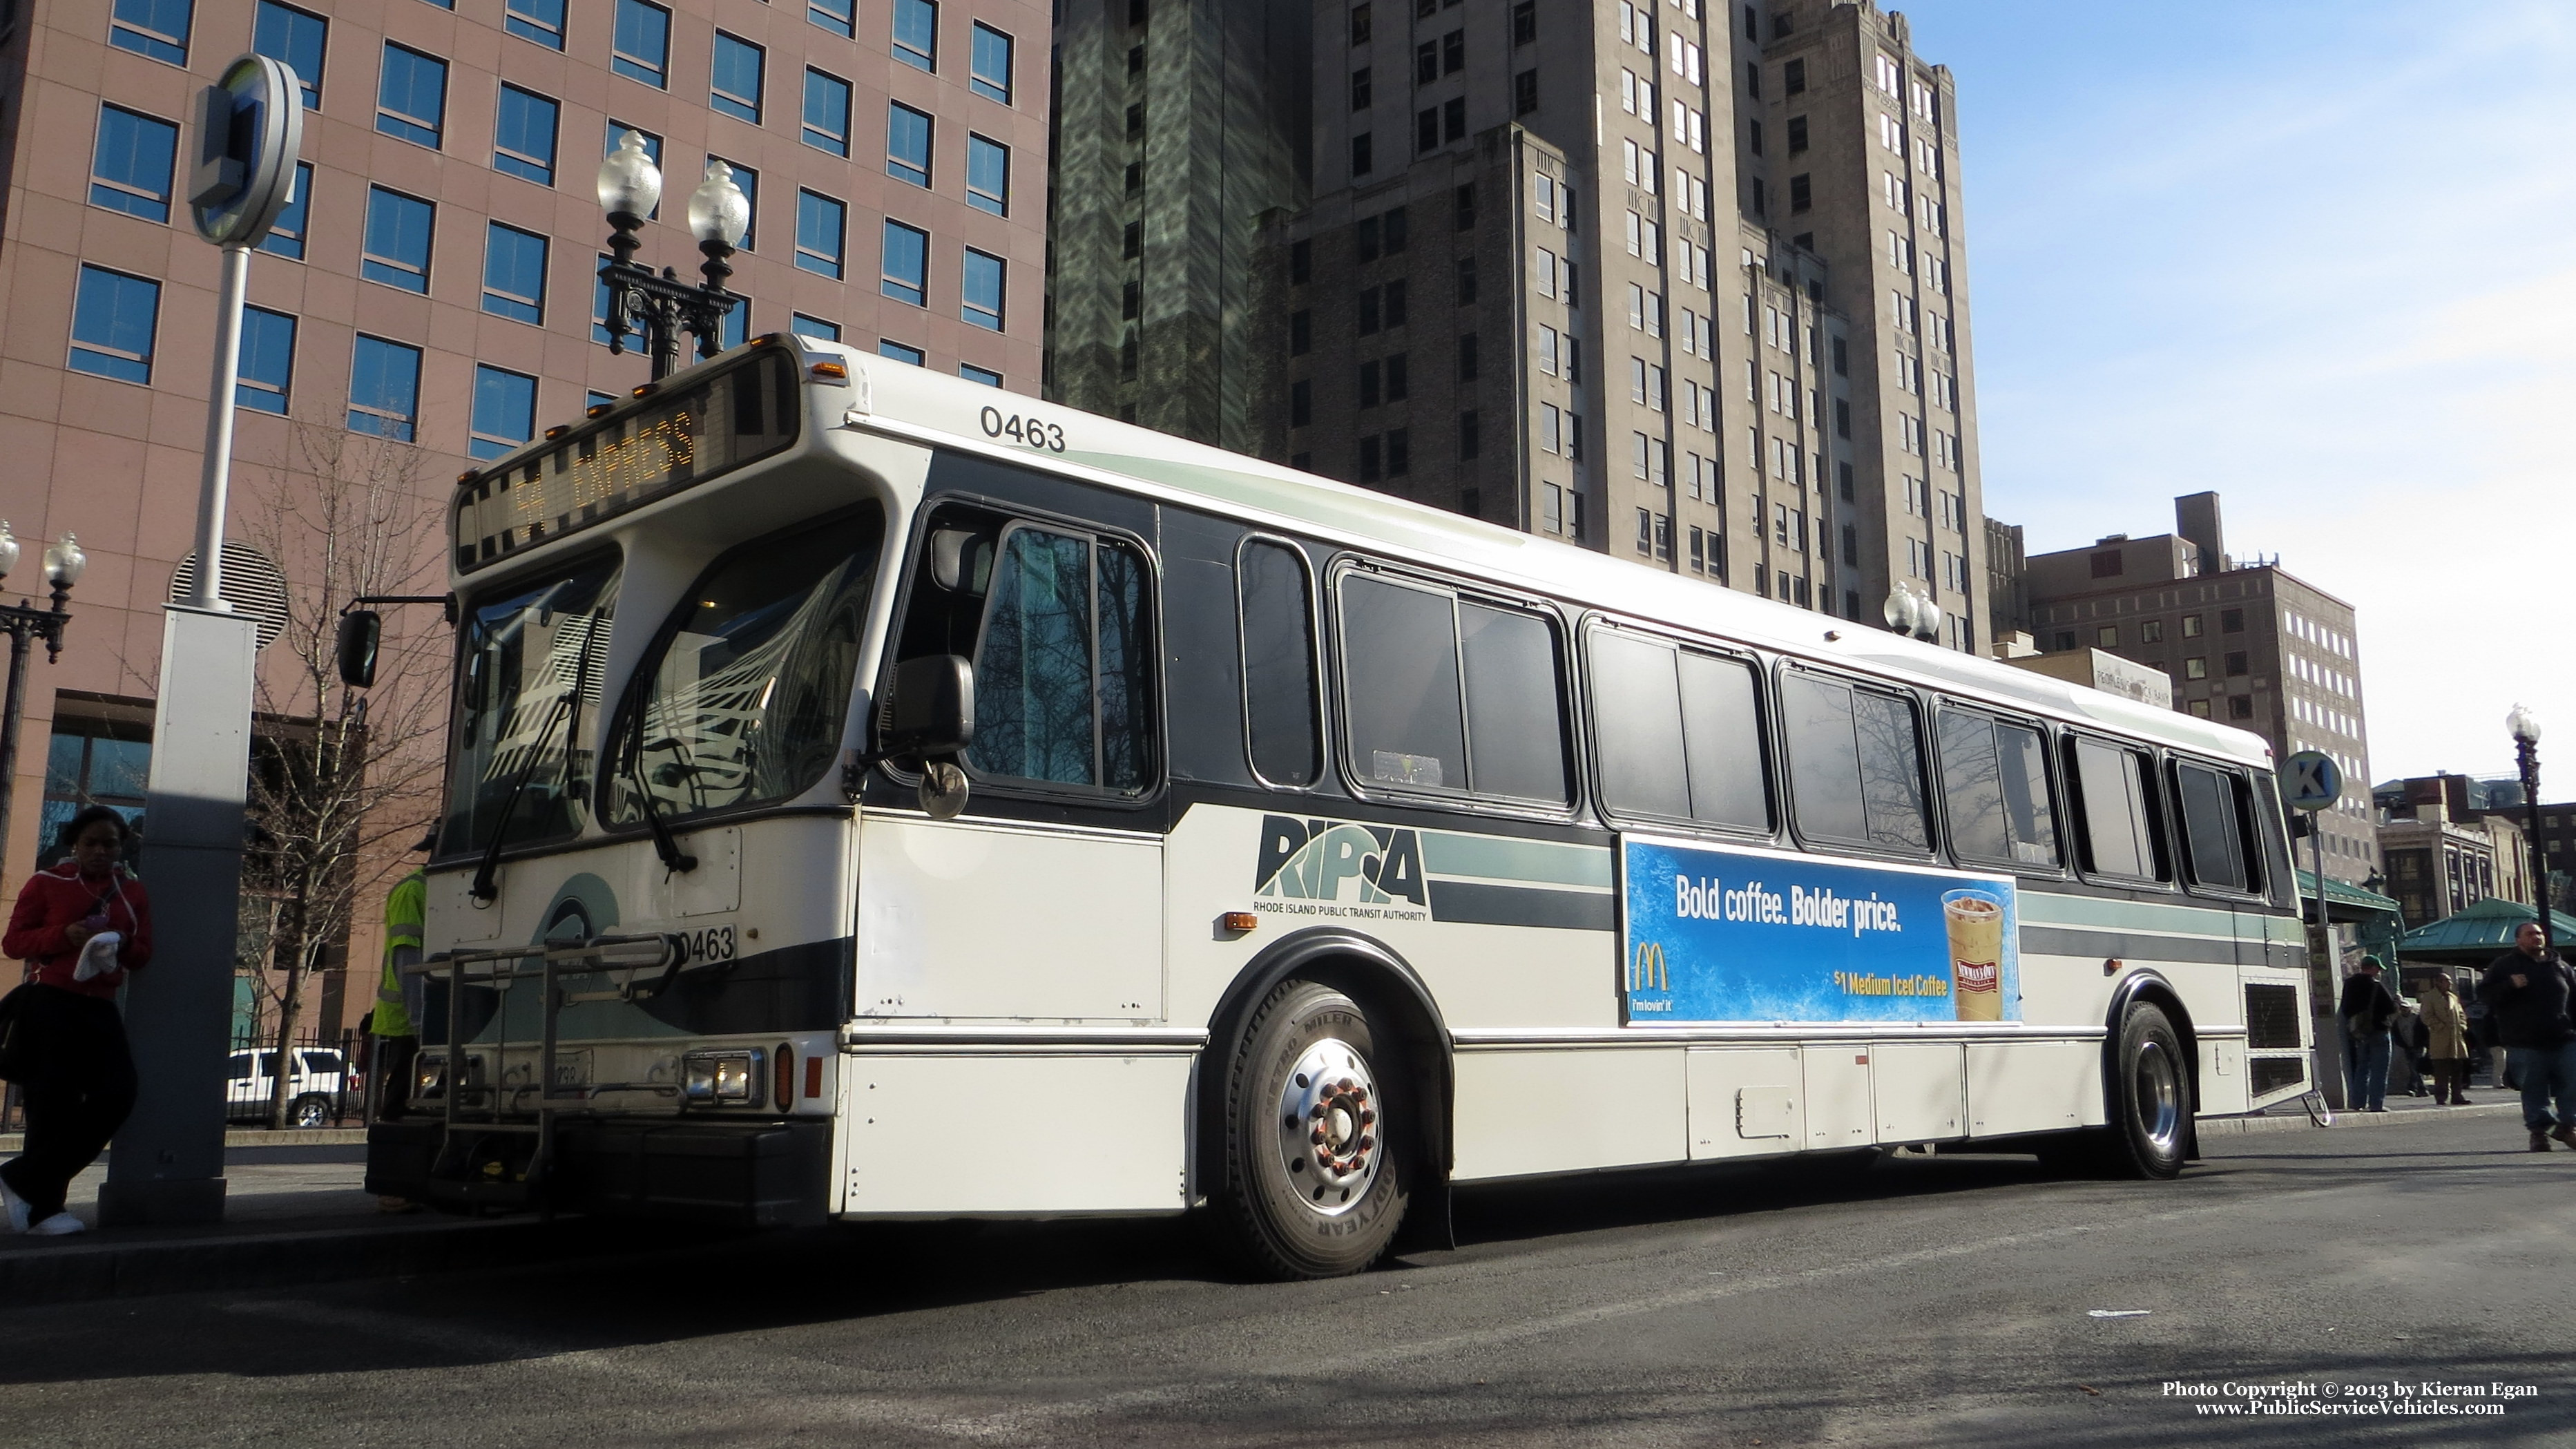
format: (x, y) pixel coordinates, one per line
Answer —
(1029, 432)
(715, 943)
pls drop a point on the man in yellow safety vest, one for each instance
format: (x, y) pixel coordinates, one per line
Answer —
(398, 995)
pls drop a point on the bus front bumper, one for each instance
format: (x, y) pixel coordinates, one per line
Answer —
(723, 1174)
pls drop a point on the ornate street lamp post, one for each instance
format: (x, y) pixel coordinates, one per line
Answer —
(663, 306)
(2526, 751)
(63, 565)
(1910, 613)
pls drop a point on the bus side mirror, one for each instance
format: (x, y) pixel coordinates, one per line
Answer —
(360, 632)
(931, 710)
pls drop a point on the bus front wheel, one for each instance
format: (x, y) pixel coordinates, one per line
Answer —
(2149, 1107)
(1314, 1155)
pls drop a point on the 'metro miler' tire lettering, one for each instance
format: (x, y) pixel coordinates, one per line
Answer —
(1030, 431)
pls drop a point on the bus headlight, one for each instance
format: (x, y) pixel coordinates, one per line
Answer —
(722, 1078)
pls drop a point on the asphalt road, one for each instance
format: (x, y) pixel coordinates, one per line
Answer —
(1942, 1301)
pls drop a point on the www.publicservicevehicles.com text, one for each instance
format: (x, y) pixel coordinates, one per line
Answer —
(2427, 1398)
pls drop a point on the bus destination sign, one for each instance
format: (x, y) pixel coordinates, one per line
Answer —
(681, 437)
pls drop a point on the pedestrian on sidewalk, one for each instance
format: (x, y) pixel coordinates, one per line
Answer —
(2526, 992)
(2368, 1008)
(2407, 1031)
(82, 923)
(2446, 1040)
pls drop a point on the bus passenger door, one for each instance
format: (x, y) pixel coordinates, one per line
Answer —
(1042, 900)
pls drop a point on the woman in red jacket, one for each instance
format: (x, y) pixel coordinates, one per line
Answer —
(79, 1080)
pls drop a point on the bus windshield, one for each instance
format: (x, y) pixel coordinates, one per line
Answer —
(529, 682)
(745, 694)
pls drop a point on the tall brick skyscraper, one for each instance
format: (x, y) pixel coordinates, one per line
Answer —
(1681, 282)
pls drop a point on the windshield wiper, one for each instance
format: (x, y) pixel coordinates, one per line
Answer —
(665, 844)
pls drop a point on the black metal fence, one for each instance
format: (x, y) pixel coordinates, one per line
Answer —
(327, 1086)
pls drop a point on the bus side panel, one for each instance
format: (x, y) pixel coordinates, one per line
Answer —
(960, 1134)
(2040, 1086)
(1746, 1101)
(1526, 1112)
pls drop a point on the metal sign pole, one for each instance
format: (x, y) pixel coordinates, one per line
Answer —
(167, 1163)
(2312, 783)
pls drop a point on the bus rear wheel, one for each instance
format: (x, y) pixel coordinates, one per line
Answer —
(1314, 1162)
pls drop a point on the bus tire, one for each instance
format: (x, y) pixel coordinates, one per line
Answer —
(2150, 1098)
(1316, 1175)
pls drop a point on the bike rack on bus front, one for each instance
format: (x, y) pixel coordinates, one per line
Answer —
(543, 962)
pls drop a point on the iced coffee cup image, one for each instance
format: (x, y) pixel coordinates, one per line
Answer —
(1976, 922)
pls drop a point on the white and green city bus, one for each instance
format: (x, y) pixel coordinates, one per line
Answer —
(872, 795)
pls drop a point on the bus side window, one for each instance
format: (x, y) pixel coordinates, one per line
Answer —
(1656, 707)
(2213, 827)
(1445, 694)
(1283, 730)
(1063, 667)
(2119, 833)
(1855, 765)
(1637, 720)
(1995, 778)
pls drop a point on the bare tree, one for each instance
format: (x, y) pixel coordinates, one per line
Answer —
(342, 780)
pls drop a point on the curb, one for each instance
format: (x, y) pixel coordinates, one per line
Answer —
(2240, 1126)
(87, 1271)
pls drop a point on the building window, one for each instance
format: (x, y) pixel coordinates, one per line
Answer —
(2191, 626)
(2231, 621)
(267, 361)
(523, 136)
(539, 20)
(642, 49)
(1525, 23)
(130, 169)
(384, 388)
(905, 272)
(157, 28)
(505, 411)
(989, 68)
(887, 347)
(841, 17)
(398, 237)
(2151, 631)
(514, 274)
(2106, 637)
(980, 289)
(411, 96)
(984, 375)
(298, 39)
(907, 144)
(735, 78)
(916, 33)
(821, 228)
(1525, 93)
(2195, 667)
(2236, 664)
(1469, 441)
(2240, 706)
(1363, 92)
(1363, 154)
(827, 113)
(988, 175)
(804, 326)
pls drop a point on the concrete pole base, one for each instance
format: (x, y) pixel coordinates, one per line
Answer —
(146, 1203)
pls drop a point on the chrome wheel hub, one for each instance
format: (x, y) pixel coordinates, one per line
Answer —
(1330, 1143)
(2159, 1089)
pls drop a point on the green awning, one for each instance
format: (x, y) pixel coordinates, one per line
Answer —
(2480, 933)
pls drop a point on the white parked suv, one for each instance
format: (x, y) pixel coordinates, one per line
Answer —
(316, 1084)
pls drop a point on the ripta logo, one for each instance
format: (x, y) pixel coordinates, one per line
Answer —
(1313, 860)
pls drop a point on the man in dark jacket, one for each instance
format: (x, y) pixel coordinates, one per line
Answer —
(2526, 991)
(2367, 1009)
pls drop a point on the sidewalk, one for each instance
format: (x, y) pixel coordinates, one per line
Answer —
(293, 1213)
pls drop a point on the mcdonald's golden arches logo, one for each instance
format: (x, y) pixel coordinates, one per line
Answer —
(1646, 972)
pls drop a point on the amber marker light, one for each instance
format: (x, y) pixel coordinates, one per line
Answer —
(1240, 921)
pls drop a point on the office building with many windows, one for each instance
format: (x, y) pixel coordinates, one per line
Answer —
(431, 290)
(1680, 280)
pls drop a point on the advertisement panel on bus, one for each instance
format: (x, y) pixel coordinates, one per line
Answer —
(1714, 934)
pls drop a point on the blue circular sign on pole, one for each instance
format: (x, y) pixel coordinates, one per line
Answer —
(2311, 780)
(250, 130)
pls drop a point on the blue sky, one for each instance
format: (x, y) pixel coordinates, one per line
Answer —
(2320, 257)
